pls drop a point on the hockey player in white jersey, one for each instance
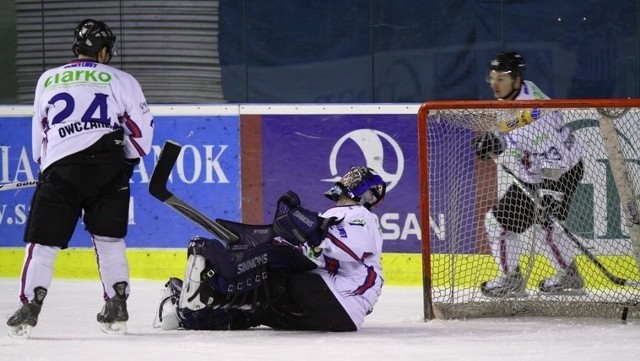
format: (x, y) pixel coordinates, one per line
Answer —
(546, 157)
(91, 125)
(307, 271)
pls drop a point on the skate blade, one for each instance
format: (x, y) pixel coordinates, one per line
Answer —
(511, 294)
(518, 294)
(115, 328)
(20, 331)
(566, 292)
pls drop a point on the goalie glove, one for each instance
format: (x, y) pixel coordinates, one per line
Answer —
(289, 199)
(488, 145)
(286, 202)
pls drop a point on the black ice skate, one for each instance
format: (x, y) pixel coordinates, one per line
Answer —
(566, 282)
(114, 316)
(510, 285)
(24, 319)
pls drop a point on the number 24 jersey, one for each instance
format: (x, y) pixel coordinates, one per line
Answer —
(77, 103)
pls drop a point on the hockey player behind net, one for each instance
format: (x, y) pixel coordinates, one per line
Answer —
(304, 272)
(546, 158)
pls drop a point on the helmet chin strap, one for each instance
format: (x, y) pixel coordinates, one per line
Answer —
(512, 94)
(515, 91)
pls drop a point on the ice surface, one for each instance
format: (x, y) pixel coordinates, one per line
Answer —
(67, 330)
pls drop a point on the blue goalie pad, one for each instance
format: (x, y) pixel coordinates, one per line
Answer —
(246, 270)
(204, 319)
(250, 235)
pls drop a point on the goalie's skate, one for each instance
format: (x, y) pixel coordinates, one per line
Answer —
(24, 319)
(566, 282)
(114, 316)
(167, 314)
(509, 285)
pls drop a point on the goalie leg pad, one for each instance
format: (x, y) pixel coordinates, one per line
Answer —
(285, 257)
(220, 274)
(217, 277)
(205, 319)
(218, 258)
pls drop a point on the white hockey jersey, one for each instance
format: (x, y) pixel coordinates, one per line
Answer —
(542, 149)
(530, 91)
(350, 260)
(77, 103)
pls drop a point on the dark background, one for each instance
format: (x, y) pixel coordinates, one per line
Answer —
(332, 51)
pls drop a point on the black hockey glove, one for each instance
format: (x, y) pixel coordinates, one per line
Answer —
(488, 145)
(129, 165)
(549, 206)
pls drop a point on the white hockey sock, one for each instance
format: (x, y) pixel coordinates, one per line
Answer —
(505, 245)
(37, 269)
(506, 252)
(112, 263)
(557, 246)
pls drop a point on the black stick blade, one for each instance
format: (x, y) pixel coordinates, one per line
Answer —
(160, 175)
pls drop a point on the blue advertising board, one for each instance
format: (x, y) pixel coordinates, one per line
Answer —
(206, 175)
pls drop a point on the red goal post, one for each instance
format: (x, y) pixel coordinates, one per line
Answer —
(457, 190)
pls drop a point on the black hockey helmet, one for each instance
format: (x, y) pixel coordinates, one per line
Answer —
(511, 62)
(362, 184)
(90, 36)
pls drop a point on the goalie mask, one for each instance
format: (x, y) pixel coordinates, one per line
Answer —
(362, 184)
(90, 36)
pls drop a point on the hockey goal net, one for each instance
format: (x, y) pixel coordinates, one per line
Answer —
(458, 189)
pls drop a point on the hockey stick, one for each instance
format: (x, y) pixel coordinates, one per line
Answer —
(158, 189)
(574, 239)
(18, 185)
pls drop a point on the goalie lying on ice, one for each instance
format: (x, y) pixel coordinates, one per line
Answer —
(303, 272)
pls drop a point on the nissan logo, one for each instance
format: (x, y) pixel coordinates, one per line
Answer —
(371, 143)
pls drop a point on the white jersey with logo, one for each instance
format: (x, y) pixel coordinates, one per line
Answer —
(76, 104)
(350, 260)
(546, 146)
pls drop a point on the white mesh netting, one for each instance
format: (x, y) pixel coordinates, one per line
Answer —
(594, 234)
